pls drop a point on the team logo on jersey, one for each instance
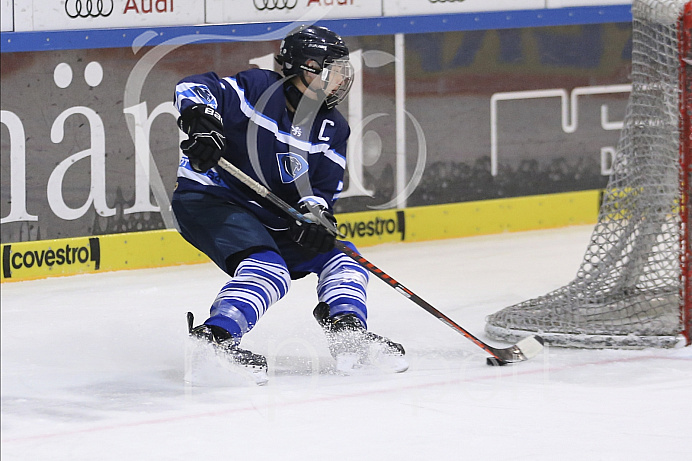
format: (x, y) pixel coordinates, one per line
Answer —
(205, 95)
(291, 166)
(296, 131)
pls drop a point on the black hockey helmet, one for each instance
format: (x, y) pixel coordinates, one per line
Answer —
(326, 48)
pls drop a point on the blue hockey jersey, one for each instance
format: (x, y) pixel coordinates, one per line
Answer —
(297, 160)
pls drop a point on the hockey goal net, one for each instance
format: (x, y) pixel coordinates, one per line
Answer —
(634, 286)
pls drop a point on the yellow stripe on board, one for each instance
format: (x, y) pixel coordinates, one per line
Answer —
(502, 215)
(139, 250)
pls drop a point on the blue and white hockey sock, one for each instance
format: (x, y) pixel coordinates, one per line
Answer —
(342, 284)
(259, 281)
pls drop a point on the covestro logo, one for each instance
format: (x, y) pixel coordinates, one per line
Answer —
(43, 258)
(386, 224)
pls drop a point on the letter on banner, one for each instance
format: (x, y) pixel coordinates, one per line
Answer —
(17, 169)
(97, 152)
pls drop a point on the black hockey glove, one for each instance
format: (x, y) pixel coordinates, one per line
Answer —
(206, 142)
(314, 236)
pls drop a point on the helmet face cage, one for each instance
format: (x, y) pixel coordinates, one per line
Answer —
(328, 51)
(336, 78)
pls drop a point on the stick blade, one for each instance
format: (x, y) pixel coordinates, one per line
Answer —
(530, 346)
(525, 349)
(495, 362)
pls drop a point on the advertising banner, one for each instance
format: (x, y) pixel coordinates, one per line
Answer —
(131, 250)
(51, 256)
(575, 3)
(224, 11)
(412, 7)
(90, 144)
(79, 14)
(6, 15)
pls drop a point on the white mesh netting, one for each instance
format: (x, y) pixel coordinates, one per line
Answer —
(627, 292)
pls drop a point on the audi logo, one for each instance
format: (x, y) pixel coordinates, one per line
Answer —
(444, 1)
(262, 5)
(88, 8)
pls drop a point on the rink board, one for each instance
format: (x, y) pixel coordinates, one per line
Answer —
(138, 250)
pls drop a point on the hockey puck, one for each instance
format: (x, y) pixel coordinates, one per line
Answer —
(495, 362)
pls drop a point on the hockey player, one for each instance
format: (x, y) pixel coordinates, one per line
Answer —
(284, 132)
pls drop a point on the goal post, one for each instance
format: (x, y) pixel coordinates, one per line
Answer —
(685, 32)
(633, 288)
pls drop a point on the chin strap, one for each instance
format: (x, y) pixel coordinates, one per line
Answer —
(293, 94)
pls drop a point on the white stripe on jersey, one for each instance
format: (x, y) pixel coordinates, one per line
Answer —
(315, 199)
(185, 171)
(197, 177)
(272, 126)
(335, 157)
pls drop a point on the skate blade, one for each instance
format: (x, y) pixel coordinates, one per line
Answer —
(388, 361)
(206, 367)
(346, 364)
(379, 362)
(395, 363)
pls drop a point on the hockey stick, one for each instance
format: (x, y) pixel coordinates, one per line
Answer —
(523, 350)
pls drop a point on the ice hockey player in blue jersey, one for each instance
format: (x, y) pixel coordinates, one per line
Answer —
(285, 132)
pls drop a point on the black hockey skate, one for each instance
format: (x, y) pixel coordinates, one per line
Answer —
(352, 345)
(226, 349)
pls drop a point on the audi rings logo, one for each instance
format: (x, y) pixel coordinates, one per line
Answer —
(88, 8)
(262, 5)
(445, 1)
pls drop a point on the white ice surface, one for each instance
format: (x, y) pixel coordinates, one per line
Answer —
(92, 369)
